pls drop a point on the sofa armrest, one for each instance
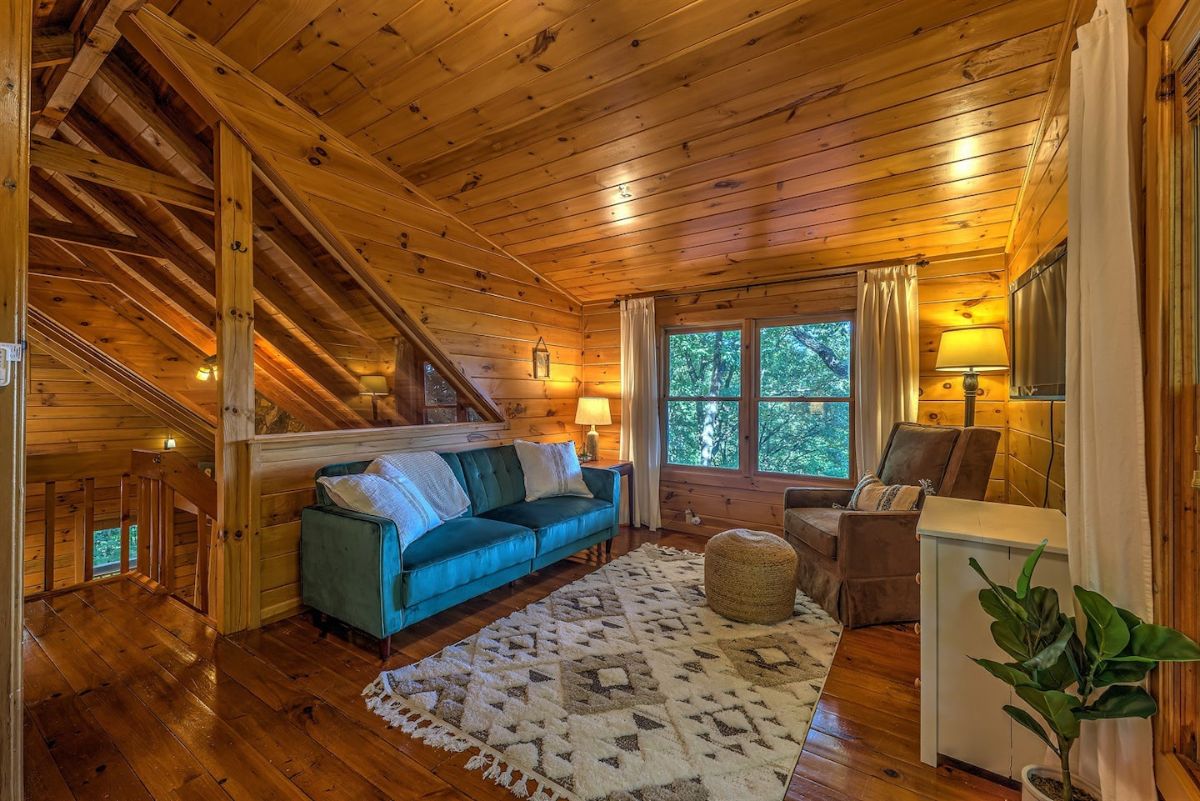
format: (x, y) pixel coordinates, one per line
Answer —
(350, 566)
(605, 484)
(874, 544)
(815, 497)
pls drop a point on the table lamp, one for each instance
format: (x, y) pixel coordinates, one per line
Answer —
(971, 351)
(592, 412)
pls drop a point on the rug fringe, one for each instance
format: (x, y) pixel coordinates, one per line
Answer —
(420, 725)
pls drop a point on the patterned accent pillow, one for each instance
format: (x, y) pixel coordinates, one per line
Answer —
(396, 499)
(872, 495)
(550, 470)
(432, 477)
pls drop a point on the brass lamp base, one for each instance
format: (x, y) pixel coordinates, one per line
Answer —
(970, 390)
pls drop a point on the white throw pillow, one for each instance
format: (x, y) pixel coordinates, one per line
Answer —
(398, 501)
(551, 470)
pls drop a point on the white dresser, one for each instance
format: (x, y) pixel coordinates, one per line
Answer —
(961, 714)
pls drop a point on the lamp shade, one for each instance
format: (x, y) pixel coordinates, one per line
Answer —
(374, 384)
(977, 349)
(593, 412)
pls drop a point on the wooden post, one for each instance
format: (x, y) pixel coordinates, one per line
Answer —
(125, 512)
(89, 528)
(50, 513)
(16, 34)
(168, 539)
(145, 526)
(235, 377)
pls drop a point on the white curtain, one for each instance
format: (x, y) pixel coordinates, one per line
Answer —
(640, 432)
(1108, 523)
(886, 358)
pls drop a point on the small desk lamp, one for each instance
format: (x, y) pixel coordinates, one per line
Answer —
(971, 351)
(592, 412)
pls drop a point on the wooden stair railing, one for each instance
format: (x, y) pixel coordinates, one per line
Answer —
(167, 481)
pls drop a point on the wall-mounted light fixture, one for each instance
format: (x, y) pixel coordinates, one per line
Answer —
(541, 359)
(207, 369)
(169, 442)
(375, 386)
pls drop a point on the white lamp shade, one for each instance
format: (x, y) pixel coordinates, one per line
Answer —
(979, 349)
(593, 412)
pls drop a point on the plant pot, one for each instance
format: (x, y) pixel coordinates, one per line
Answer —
(1031, 793)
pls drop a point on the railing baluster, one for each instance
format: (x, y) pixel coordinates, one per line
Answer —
(48, 539)
(89, 528)
(204, 525)
(168, 538)
(145, 526)
(125, 513)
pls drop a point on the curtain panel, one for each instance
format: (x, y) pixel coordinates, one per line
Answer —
(640, 431)
(1108, 522)
(886, 358)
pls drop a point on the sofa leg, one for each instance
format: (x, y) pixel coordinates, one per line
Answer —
(608, 547)
(385, 648)
(321, 621)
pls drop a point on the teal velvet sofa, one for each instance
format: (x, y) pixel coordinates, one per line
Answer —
(352, 569)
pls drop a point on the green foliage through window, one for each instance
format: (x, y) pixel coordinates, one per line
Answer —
(704, 369)
(106, 553)
(801, 411)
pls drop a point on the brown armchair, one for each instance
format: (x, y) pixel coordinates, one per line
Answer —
(861, 566)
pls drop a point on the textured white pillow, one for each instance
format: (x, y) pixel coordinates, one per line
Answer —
(432, 477)
(550, 470)
(396, 499)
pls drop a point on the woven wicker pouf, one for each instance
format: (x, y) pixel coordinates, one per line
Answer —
(750, 576)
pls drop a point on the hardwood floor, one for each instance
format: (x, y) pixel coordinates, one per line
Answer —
(132, 696)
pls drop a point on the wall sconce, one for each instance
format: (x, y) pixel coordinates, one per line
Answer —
(169, 443)
(207, 369)
(375, 386)
(541, 359)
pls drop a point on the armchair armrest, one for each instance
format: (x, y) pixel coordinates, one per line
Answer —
(350, 566)
(872, 544)
(815, 497)
(605, 484)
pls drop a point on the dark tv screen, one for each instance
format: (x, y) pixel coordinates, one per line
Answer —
(1038, 324)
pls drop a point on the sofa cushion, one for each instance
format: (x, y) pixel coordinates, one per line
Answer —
(460, 551)
(558, 521)
(493, 477)
(816, 528)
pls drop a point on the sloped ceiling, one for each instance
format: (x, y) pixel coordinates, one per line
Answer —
(621, 147)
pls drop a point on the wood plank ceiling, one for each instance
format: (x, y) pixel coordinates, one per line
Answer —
(624, 146)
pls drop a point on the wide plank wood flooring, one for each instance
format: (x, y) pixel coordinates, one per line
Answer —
(132, 696)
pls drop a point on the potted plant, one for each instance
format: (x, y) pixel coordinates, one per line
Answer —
(1070, 671)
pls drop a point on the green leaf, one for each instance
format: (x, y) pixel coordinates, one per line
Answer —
(1010, 637)
(995, 607)
(1042, 605)
(1026, 720)
(1056, 707)
(1120, 702)
(1131, 620)
(1163, 644)
(1007, 598)
(1009, 674)
(1060, 675)
(1121, 672)
(1107, 634)
(1026, 577)
(1049, 656)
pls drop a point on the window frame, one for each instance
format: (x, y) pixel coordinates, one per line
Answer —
(748, 401)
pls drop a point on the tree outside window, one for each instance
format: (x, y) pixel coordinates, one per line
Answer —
(794, 392)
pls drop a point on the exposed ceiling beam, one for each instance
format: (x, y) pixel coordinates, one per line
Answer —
(55, 156)
(91, 236)
(98, 34)
(52, 48)
(115, 377)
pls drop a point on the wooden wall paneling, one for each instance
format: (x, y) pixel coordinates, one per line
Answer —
(235, 377)
(16, 20)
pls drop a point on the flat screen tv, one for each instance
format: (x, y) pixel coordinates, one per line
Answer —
(1038, 325)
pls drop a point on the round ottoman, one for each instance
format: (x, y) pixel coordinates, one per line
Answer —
(750, 576)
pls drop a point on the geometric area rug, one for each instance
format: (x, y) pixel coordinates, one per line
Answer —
(623, 686)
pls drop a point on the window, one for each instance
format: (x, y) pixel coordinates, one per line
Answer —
(704, 388)
(804, 399)
(107, 550)
(440, 401)
(791, 393)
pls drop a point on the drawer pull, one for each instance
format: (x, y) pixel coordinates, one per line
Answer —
(917, 629)
(917, 682)
(918, 577)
